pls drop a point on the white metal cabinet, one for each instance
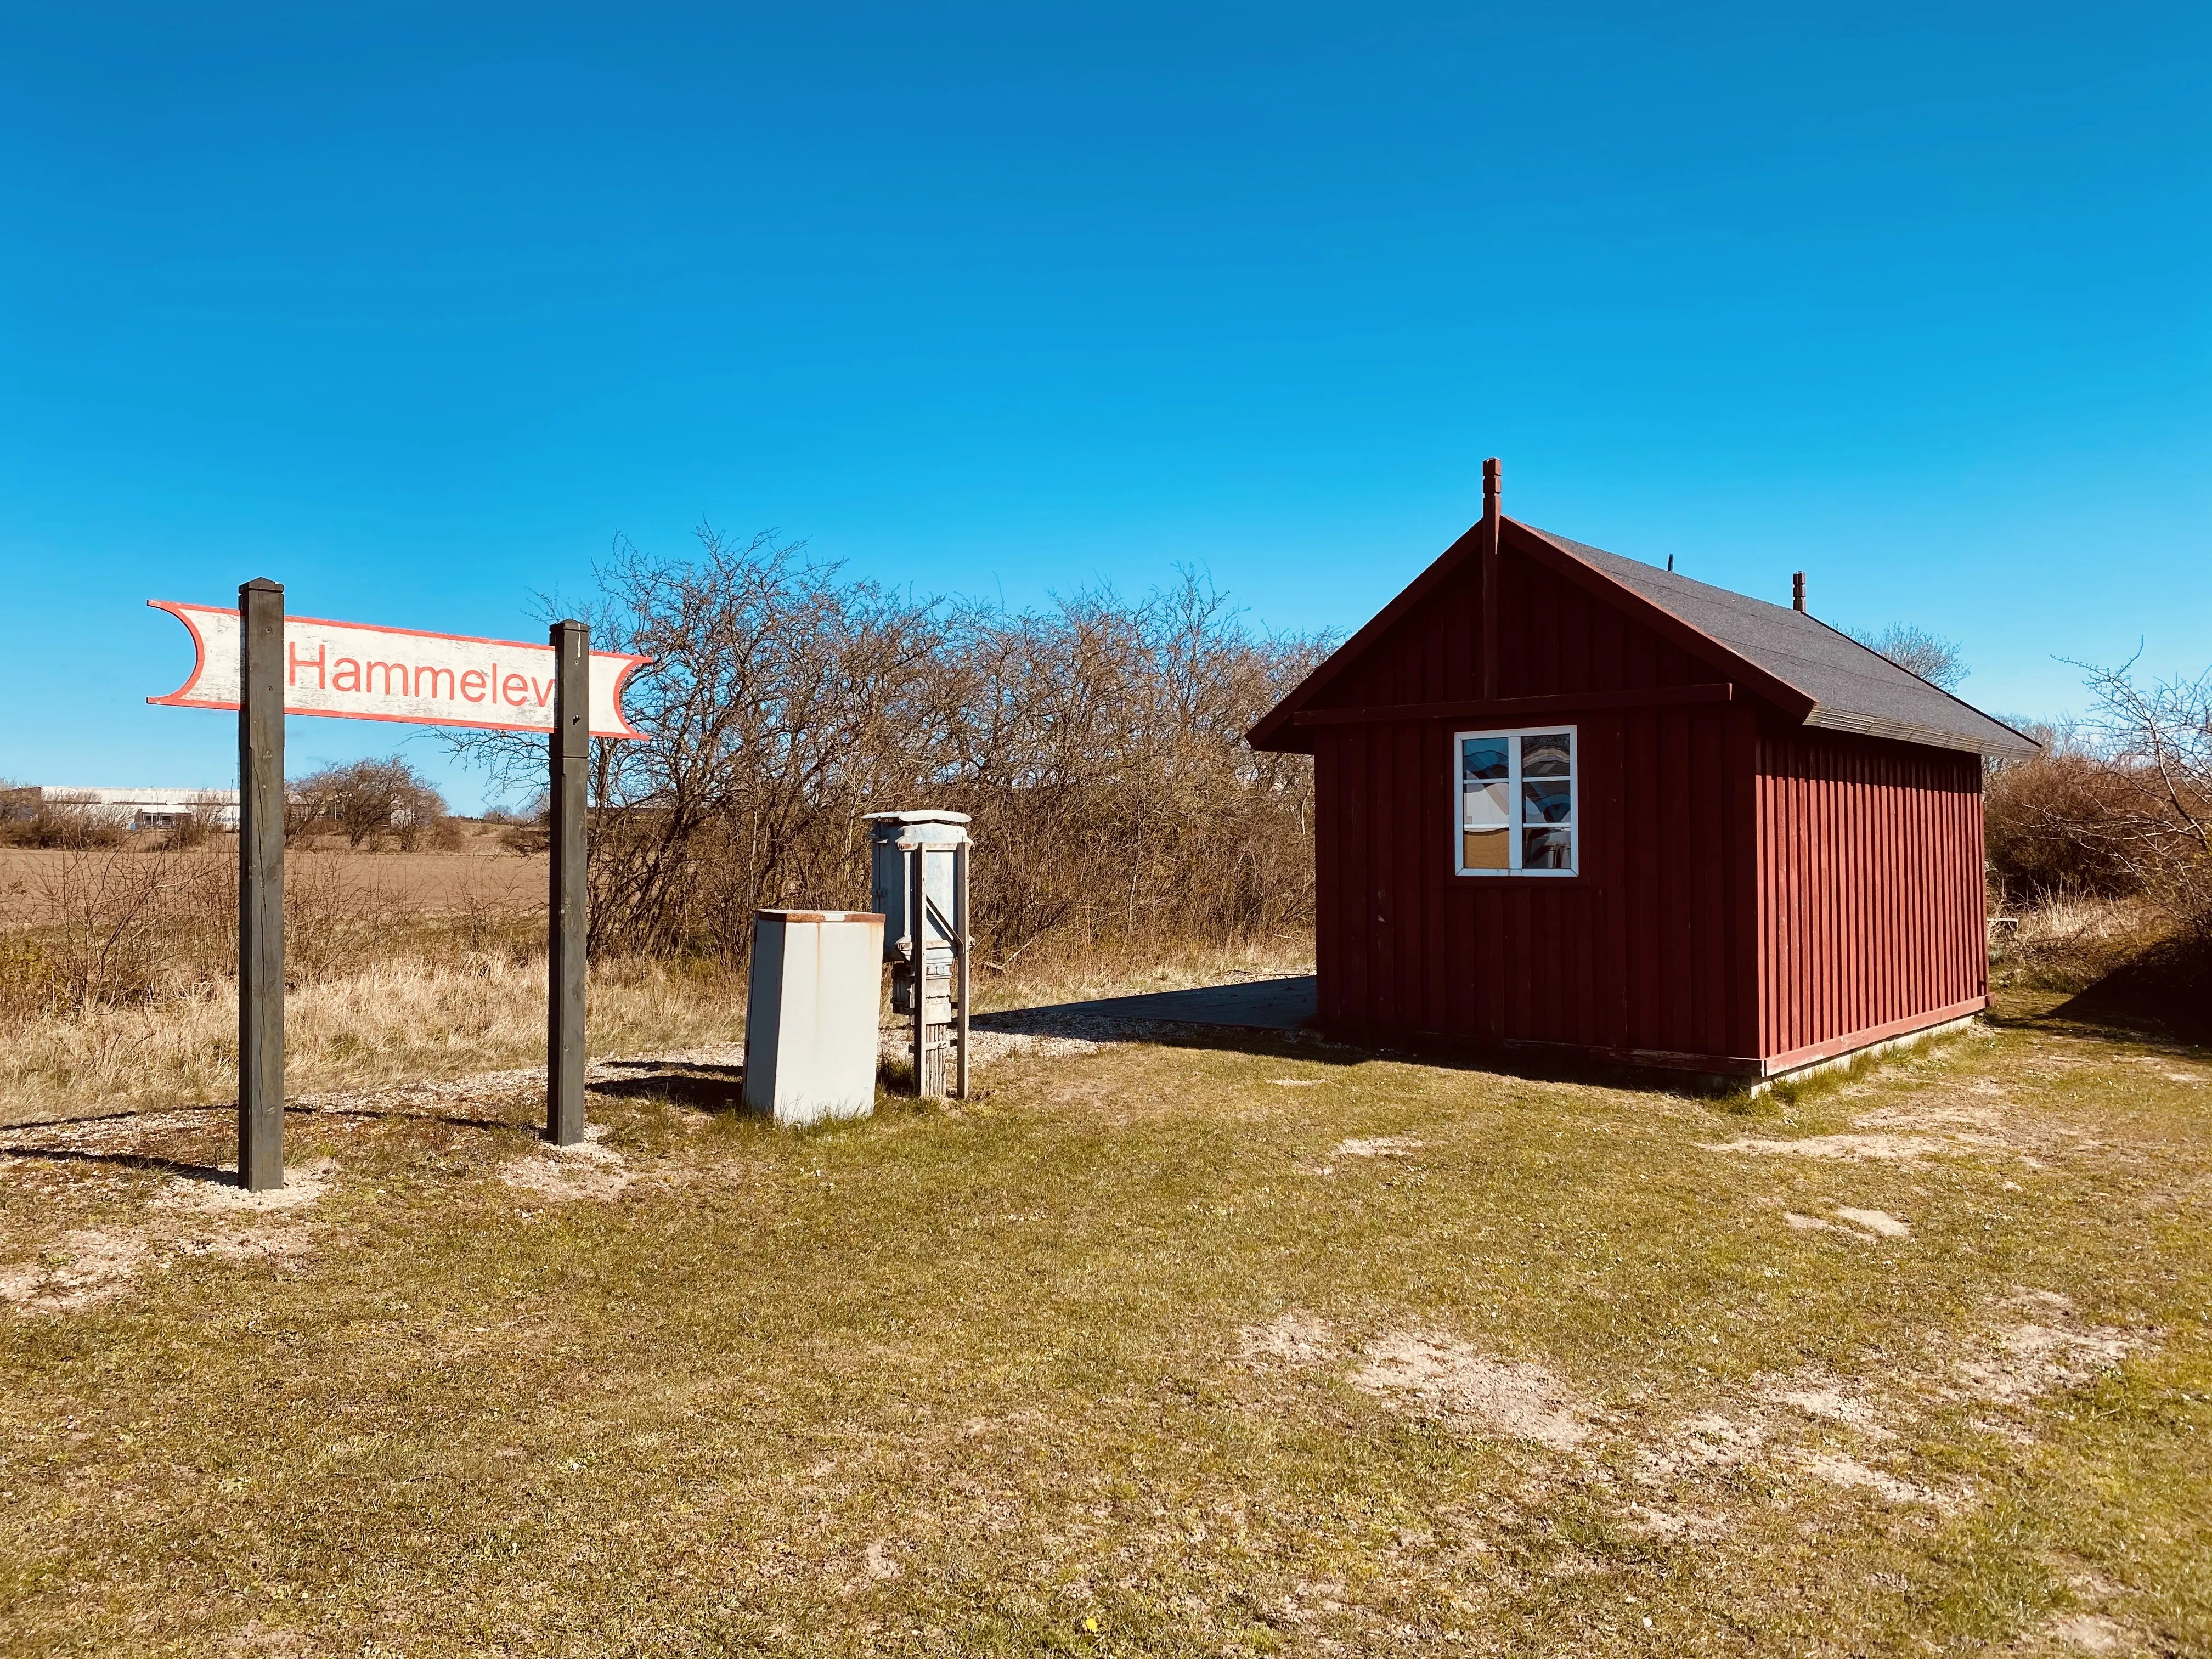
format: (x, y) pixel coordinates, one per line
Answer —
(811, 1014)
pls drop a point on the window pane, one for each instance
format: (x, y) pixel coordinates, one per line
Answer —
(1482, 758)
(1547, 849)
(1548, 800)
(1484, 806)
(1548, 756)
(1483, 849)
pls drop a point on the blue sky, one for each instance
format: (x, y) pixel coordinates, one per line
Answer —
(415, 307)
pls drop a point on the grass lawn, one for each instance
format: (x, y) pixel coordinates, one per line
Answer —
(1149, 1350)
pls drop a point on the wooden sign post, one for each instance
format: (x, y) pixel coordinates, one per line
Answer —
(265, 665)
(261, 887)
(568, 751)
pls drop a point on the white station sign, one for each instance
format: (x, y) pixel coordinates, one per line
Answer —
(351, 670)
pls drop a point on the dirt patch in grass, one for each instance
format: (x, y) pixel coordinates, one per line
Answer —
(80, 1269)
(1876, 1148)
(1830, 1401)
(1706, 1441)
(216, 1192)
(1292, 1339)
(1839, 1470)
(1499, 1397)
(1377, 1147)
(2035, 1357)
(587, 1170)
(1880, 1223)
(2090, 1632)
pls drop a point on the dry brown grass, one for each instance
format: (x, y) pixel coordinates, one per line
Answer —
(117, 995)
(432, 1008)
(117, 987)
(395, 1019)
(2070, 943)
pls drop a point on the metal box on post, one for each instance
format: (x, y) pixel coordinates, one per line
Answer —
(918, 863)
(810, 1036)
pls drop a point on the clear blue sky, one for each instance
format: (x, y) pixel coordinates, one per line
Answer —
(414, 307)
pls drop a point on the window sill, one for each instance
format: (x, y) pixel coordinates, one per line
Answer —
(1522, 880)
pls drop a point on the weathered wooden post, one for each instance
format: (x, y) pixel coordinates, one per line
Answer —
(929, 1057)
(569, 751)
(960, 944)
(261, 886)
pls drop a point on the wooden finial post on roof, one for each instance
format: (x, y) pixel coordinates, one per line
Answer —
(1493, 478)
(1796, 590)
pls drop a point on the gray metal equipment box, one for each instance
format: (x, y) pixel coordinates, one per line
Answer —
(889, 870)
(811, 1014)
(929, 973)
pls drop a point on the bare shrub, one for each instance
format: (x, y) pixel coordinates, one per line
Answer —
(1098, 743)
(2108, 835)
(371, 800)
(2052, 824)
(29, 818)
(194, 828)
(116, 918)
(1933, 658)
(2159, 739)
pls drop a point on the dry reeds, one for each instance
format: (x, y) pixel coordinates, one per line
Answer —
(2069, 943)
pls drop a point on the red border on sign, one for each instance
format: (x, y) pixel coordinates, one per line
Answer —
(177, 608)
(180, 697)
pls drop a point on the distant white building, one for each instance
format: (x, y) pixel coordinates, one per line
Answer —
(148, 809)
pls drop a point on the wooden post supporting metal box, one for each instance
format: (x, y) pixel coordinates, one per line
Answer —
(261, 886)
(940, 1018)
(569, 754)
(960, 944)
(928, 1062)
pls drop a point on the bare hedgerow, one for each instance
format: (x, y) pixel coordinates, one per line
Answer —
(1098, 742)
(2159, 739)
(31, 817)
(2052, 822)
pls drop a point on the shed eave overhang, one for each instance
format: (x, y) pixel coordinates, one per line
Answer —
(1873, 726)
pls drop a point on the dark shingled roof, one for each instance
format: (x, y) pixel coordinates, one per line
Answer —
(1852, 689)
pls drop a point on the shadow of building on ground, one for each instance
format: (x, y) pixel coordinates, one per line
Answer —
(2165, 992)
(1260, 1016)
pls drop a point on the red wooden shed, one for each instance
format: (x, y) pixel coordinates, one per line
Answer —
(1571, 805)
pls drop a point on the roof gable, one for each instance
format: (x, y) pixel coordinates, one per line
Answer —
(1807, 671)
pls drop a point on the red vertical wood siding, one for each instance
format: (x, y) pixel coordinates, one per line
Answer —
(1747, 890)
(1871, 894)
(1650, 948)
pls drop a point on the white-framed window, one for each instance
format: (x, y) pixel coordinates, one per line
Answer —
(1516, 813)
